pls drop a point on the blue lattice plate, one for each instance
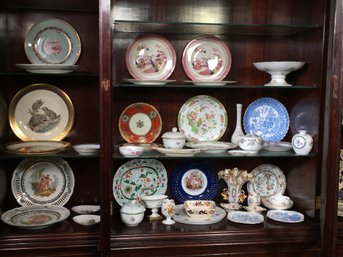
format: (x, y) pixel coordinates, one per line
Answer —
(194, 181)
(267, 118)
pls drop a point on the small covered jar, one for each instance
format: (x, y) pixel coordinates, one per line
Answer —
(132, 213)
(174, 139)
(250, 142)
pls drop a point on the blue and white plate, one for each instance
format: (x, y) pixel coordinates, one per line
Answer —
(267, 118)
(194, 181)
(285, 216)
(245, 217)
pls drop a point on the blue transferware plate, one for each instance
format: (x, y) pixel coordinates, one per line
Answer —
(194, 181)
(285, 216)
(267, 118)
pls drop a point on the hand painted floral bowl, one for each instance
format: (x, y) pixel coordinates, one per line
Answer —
(199, 208)
(277, 202)
(131, 150)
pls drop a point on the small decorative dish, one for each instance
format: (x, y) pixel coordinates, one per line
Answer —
(254, 208)
(211, 146)
(87, 219)
(245, 217)
(131, 150)
(241, 152)
(200, 209)
(185, 152)
(85, 209)
(87, 149)
(36, 147)
(277, 202)
(281, 146)
(285, 216)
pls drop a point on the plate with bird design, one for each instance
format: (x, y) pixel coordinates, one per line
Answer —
(41, 112)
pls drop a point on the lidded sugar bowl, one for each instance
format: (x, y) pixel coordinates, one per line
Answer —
(250, 142)
(132, 213)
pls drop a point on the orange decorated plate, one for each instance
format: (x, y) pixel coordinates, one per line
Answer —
(140, 123)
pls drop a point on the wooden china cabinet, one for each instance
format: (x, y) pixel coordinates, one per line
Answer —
(288, 30)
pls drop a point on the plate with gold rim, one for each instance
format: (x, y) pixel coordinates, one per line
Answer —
(35, 216)
(43, 181)
(52, 41)
(49, 113)
(140, 123)
(35, 147)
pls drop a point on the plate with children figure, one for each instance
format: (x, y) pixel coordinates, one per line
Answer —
(38, 181)
(41, 112)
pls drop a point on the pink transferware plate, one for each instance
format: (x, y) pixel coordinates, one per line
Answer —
(206, 58)
(150, 57)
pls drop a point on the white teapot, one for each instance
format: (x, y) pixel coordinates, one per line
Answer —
(250, 142)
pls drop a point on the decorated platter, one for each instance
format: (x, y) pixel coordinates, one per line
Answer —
(43, 181)
(267, 118)
(206, 58)
(138, 178)
(140, 123)
(245, 217)
(268, 180)
(285, 216)
(211, 83)
(150, 57)
(279, 146)
(52, 41)
(211, 146)
(48, 68)
(202, 118)
(49, 113)
(36, 216)
(184, 152)
(35, 147)
(149, 82)
(182, 217)
(196, 180)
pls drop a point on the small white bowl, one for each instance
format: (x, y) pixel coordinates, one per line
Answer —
(132, 213)
(277, 202)
(85, 209)
(87, 220)
(131, 150)
(87, 149)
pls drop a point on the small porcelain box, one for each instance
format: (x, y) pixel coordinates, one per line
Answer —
(174, 139)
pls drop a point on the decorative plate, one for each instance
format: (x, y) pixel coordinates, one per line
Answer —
(140, 123)
(269, 180)
(304, 116)
(184, 152)
(267, 118)
(277, 146)
(36, 216)
(245, 217)
(49, 113)
(206, 58)
(202, 118)
(211, 83)
(48, 68)
(285, 216)
(137, 178)
(182, 217)
(52, 41)
(149, 82)
(212, 146)
(43, 182)
(150, 57)
(35, 147)
(194, 181)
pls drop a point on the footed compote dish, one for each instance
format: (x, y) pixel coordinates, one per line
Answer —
(154, 202)
(278, 71)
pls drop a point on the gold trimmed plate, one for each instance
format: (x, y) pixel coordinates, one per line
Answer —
(35, 147)
(41, 112)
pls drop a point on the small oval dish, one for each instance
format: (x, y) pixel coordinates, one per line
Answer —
(87, 149)
(85, 209)
(277, 202)
(285, 216)
(202, 209)
(87, 220)
(185, 152)
(245, 217)
(212, 146)
(254, 208)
